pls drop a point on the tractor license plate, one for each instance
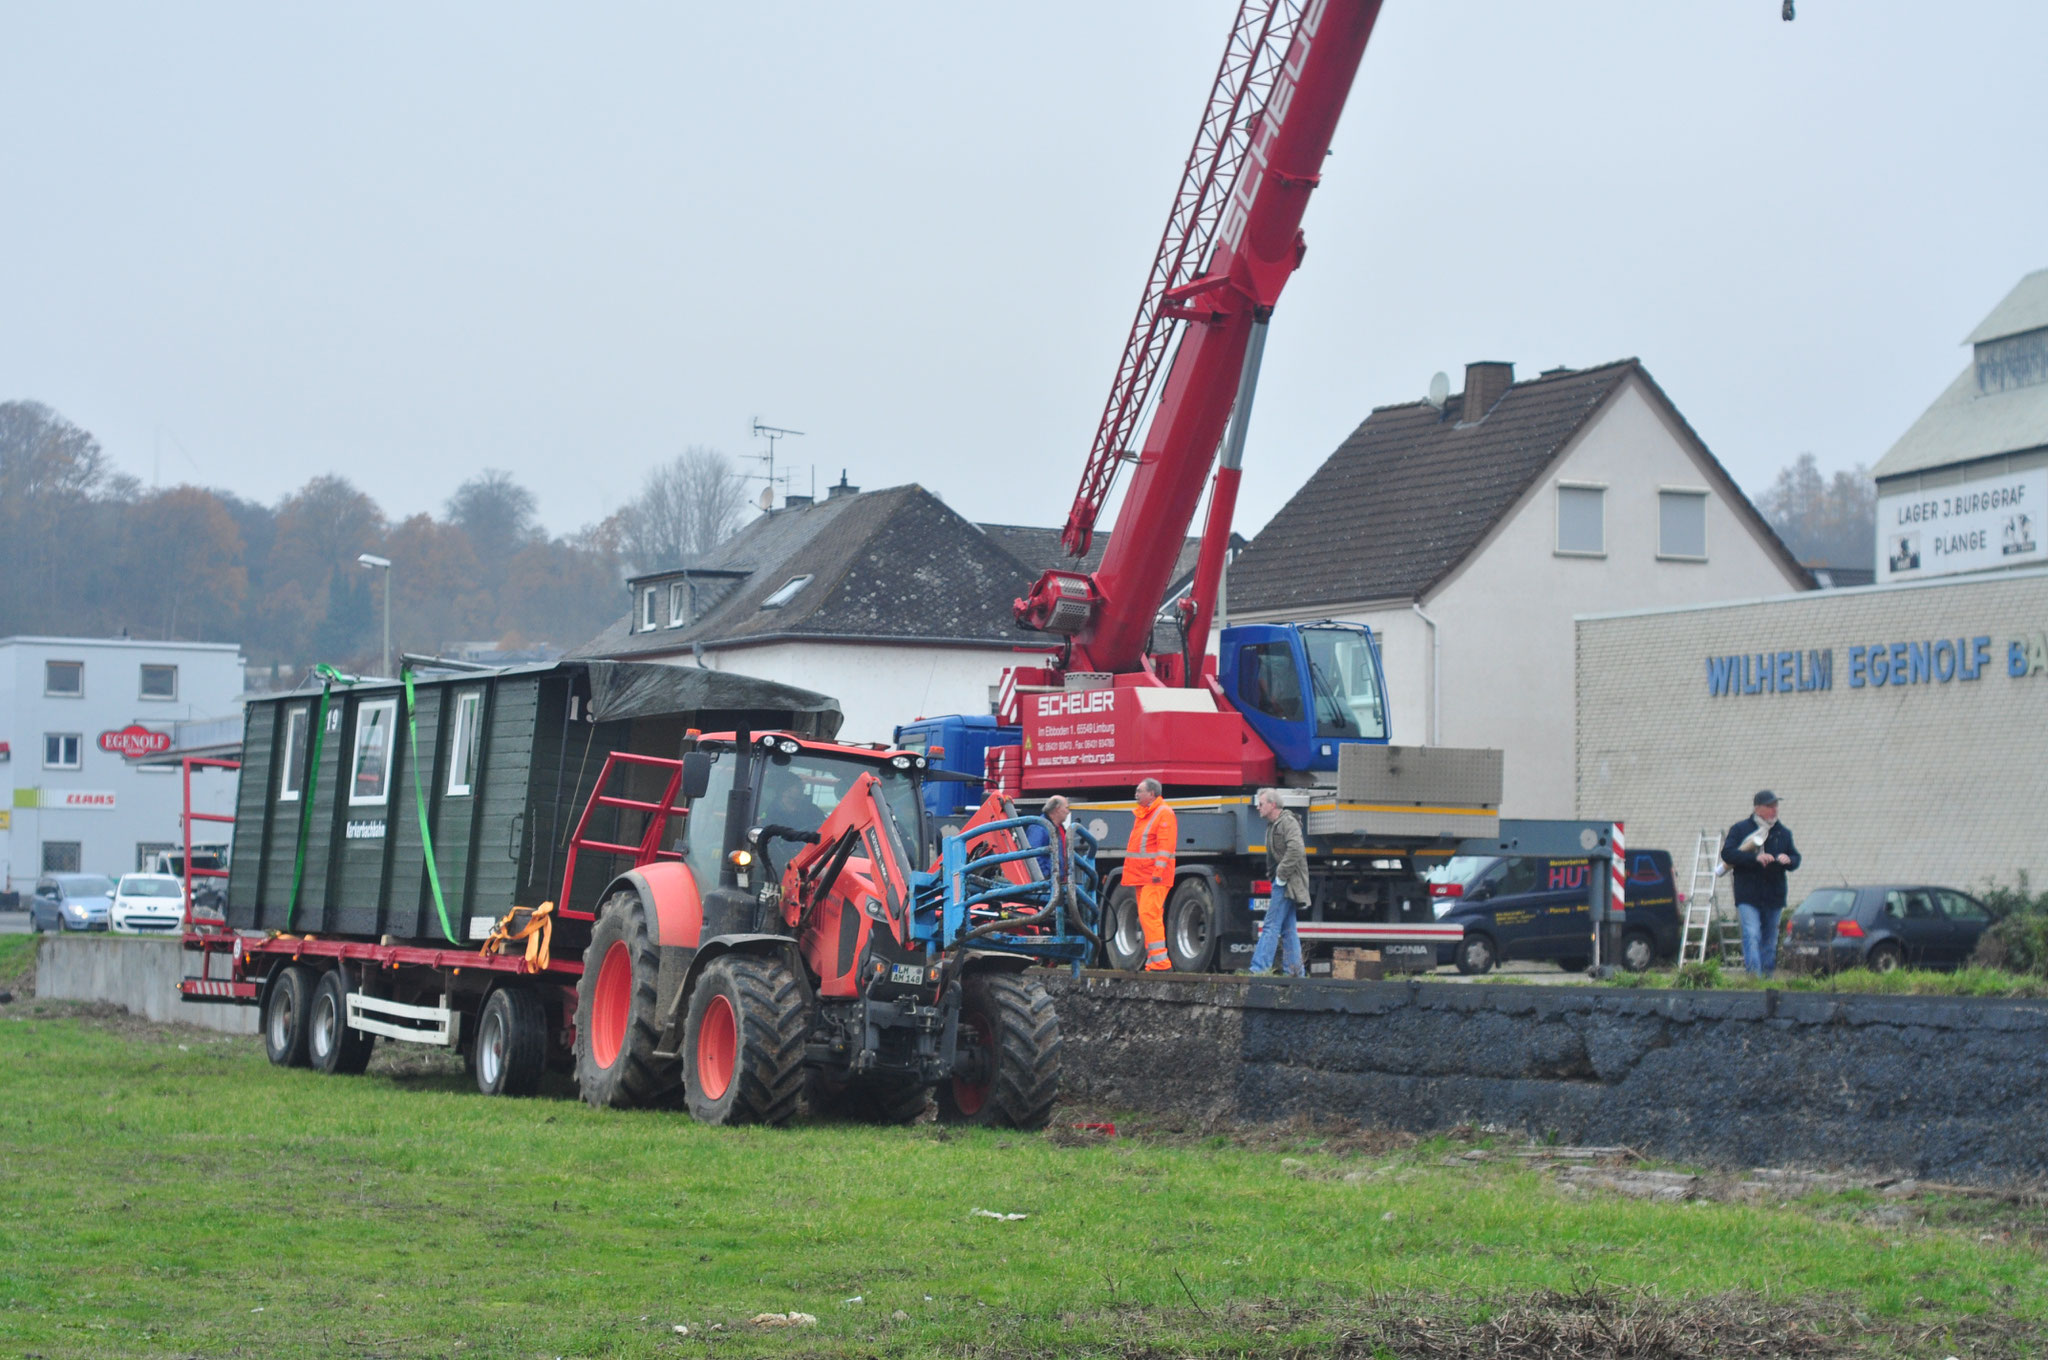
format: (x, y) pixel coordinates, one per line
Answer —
(909, 974)
(1809, 949)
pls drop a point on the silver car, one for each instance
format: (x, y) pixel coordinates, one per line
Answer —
(71, 902)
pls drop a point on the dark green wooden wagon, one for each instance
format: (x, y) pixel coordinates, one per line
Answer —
(335, 788)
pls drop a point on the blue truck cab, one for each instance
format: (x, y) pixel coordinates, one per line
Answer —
(958, 742)
(1306, 689)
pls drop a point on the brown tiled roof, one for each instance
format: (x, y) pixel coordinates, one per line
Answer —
(1413, 492)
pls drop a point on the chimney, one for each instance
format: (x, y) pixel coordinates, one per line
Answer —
(843, 488)
(795, 502)
(1484, 384)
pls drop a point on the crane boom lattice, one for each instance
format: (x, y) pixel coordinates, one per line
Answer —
(1258, 44)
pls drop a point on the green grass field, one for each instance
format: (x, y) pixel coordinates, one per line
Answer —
(168, 1193)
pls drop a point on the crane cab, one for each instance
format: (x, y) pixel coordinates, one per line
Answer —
(1306, 689)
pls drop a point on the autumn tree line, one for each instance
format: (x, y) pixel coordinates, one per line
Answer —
(89, 551)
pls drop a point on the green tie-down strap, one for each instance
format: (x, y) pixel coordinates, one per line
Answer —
(419, 793)
(329, 677)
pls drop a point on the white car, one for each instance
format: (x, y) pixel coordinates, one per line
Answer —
(148, 904)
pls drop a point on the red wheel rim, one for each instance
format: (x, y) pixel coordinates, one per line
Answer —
(718, 1044)
(970, 1096)
(611, 1004)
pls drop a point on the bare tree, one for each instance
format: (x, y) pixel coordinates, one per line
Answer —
(1827, 522)
(687, 507)
(497, 515)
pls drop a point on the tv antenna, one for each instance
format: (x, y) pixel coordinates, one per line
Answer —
(771, 433)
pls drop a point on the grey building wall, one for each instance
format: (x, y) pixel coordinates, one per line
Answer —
(1940, 780)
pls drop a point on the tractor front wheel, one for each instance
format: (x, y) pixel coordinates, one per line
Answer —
(1007, 1071)
(616, 1029)
(743, 1050)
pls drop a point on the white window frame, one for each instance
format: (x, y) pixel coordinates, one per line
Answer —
(1557, 538)
(77, 740)
(647, 600)
(297, 715)
(142, 690)
(678, 603)
(364, 727)
(463, 744)
(1698, 493)
(49, 693)
(786, 592)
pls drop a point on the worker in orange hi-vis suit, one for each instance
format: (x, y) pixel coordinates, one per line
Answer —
(1148, 867)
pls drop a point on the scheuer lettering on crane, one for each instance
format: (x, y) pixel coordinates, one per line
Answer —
(1076, 701)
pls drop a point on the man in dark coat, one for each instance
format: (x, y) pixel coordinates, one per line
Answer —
(1759, 853)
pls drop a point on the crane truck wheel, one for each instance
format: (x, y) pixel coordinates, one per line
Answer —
(616, 1030)
(1191, 926)
(869, 1100)
(743, 1049)
(1124, 940)
(284, 1015)
(331, 1045)
(1007, 1071)
(511, 1049)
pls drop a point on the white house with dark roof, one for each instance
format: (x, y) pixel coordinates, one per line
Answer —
(1469, 536)
(1965, 488)
(887, 600)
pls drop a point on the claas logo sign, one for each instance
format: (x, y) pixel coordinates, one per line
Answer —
(134, 741)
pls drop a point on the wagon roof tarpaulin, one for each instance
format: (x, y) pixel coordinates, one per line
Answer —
(628, 689)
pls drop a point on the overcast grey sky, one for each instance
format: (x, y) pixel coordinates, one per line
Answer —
(409, 242)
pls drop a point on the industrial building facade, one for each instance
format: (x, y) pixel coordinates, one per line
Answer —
(1902, 725)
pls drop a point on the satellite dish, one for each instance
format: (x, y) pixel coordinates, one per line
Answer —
(1439, 390)
(767, 498)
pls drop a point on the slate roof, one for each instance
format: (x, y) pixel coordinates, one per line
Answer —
(894, 565)
(1040, 550)
(1412, 493)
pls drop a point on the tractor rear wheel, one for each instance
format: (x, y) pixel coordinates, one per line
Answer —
(868, 1100)
(1008, 1056)
(284, 1015)
(743, 1049)
(616, 1028)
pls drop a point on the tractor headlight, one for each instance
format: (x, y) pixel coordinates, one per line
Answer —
(900, 762)
(918, 761)
(742, 858)
(787, 747)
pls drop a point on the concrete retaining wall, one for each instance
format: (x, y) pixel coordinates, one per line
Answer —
(135, 972)
(1938, 1088)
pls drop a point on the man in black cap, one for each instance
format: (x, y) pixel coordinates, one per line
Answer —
(1759, 853)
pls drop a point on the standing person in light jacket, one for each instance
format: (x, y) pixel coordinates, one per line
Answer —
(1759, 853)
(1287, 866)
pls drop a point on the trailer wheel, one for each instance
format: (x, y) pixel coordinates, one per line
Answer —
(511, 1048)
(1008, 1072)
(616, 1030)
(331, 1045)
(1191, 926)
(1124, 940)
(1475, 955)
(284, 1015)
(868, 1100)
(743, 1050)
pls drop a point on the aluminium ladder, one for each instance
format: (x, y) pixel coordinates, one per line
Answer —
(1699, 898)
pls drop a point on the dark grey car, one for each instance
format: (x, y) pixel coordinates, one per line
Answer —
(71, 902)
(1884, 926)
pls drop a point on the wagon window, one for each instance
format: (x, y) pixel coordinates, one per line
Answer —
(469, 707)
(370, 775)
(291, 775)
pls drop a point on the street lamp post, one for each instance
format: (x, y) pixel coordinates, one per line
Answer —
(375, 563)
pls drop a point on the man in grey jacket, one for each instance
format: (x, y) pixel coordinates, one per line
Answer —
(1287, 865)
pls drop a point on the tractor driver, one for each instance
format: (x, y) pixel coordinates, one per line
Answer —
(1148, 867)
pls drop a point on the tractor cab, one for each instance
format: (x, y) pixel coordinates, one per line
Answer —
(796, 782)
(1306, 689)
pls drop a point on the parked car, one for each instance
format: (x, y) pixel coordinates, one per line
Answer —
(1883, 926)
(71, 902)
(1523, 907)
(147, 904)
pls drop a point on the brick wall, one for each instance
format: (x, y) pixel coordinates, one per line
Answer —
(1942, 781)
